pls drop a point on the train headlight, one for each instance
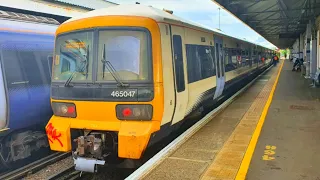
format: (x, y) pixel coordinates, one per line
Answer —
(134, 112)
(64, 109)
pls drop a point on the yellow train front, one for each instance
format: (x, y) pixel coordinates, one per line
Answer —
(106, 82)
(120, 73)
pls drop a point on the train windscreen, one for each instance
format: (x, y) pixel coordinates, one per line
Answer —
(127, 52)
(121, 56)
(73, 57)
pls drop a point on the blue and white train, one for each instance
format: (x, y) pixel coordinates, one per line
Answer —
(26, 44)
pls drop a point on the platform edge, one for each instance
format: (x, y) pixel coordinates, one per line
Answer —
(242, 172)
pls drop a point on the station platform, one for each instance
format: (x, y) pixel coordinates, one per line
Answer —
(269, 132)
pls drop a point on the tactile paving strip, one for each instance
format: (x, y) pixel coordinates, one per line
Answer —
(229, 159)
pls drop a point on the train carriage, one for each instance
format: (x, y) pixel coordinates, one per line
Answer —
(26, 41)
(124, 77)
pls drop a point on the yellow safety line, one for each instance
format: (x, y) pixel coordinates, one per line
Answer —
(248, 155)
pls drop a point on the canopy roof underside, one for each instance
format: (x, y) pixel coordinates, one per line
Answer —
(279, 21)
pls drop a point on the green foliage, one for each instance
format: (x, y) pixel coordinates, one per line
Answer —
(284, 52)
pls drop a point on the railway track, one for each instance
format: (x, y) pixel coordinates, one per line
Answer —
(34, 166)
(68, 173)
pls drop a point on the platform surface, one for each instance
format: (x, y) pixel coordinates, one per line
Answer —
(216, 150)
(289, 143)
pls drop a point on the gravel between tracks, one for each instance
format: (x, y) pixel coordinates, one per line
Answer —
(51, 169)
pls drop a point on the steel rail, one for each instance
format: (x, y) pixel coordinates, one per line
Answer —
(67, 173)
(34, 166)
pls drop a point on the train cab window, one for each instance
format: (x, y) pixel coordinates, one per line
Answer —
(178, 62)
(76, 48)
(128, 51)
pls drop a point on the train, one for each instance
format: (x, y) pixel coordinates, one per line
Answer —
(26, 47)
(125, 77)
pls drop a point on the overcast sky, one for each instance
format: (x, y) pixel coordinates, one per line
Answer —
(206, 13)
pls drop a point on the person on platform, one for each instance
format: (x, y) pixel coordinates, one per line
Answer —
(275, 60)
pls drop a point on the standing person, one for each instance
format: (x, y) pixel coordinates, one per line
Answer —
(275, 60)
(262, 59)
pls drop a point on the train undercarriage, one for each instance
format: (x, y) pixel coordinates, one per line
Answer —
(20, 145)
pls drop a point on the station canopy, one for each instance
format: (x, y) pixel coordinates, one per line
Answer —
(279, 21)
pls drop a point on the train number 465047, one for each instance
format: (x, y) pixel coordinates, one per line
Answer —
(123, 93)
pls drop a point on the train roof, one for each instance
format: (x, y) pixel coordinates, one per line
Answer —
(153, 13)
(20, 22)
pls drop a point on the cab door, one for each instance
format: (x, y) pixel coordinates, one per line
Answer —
(179, 67)
(220, 66)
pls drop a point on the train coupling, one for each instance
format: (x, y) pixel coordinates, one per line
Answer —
(86, 157)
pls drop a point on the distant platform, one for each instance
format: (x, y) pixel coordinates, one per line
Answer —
(270, 132)
(289, 143)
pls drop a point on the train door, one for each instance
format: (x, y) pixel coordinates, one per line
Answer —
(177, 36)
(219, 66)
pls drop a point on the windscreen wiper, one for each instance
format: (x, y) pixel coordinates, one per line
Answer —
(111, 69)
(78, 69)
(66, 84)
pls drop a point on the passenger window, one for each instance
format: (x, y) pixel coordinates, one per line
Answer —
(30, 67)
(229, 65)
(200, 62)
(23, 65)
(178, 62)
(12, 68)
(193, 63)
(206, 62)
